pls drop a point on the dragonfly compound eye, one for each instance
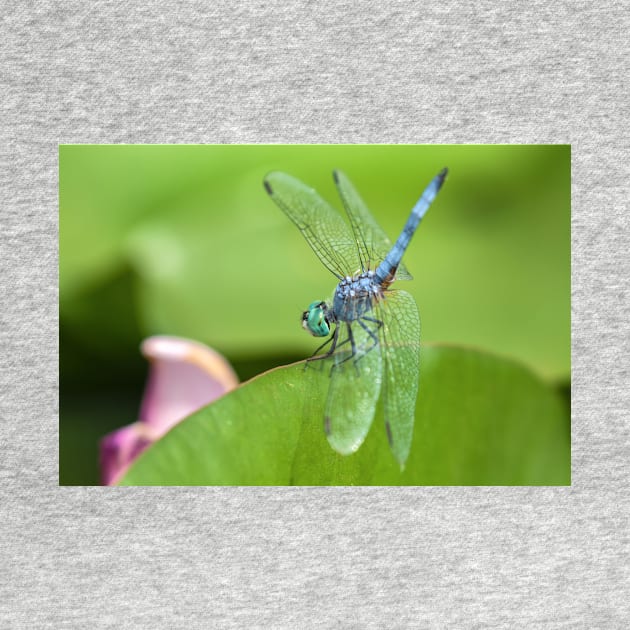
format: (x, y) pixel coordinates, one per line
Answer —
(314, 320)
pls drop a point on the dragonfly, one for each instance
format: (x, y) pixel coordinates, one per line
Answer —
(373, 331)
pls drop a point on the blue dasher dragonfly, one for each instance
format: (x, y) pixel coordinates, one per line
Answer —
(375, 344)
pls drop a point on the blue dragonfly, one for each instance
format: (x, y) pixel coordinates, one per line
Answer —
(374, 347)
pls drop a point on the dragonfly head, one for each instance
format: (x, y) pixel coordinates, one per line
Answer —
(315, 319)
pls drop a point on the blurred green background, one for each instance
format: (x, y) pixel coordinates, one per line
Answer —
(183, 240)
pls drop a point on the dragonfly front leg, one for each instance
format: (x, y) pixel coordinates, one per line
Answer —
(334, 337)
(353, 350)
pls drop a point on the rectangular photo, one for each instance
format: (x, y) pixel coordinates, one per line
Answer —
(315, 315)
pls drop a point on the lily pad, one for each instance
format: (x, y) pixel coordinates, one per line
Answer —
(480, 420)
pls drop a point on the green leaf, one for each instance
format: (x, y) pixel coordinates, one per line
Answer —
(480, 420)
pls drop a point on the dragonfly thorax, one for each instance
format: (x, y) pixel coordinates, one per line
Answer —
(355, 296)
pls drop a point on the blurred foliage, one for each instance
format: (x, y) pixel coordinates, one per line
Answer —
(183, 240)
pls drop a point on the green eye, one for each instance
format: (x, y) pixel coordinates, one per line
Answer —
(314, 320)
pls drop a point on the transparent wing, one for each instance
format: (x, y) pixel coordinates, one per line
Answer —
(400, 348)
(321, 225)
(355, 386)
(372, 242)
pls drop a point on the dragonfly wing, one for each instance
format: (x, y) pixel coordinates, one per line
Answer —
(400, 348)
(321, 225)
(355, 385)
(371, 241)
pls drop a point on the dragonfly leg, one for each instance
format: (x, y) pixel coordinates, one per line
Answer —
(322, 346)
(334, 337)
(352, 352)
(372, 333)
(378, 322)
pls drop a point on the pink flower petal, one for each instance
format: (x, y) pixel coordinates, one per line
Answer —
(119, 449)
(184, 376)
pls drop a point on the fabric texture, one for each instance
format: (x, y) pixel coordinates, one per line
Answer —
(399, 72)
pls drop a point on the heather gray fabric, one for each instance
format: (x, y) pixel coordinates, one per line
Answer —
(314, 72)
